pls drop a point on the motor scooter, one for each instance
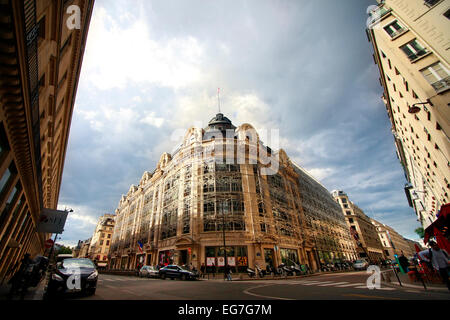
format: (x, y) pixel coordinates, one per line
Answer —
(261, 273)
(251, 273)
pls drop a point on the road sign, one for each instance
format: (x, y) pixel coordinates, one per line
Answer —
(49, 243)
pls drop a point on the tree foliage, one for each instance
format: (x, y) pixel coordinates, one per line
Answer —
(420, 231)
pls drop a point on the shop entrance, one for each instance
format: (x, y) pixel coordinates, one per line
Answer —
(149, 259)
(268, 257)
(183, 257)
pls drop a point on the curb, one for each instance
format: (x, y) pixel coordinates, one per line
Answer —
(411, 286)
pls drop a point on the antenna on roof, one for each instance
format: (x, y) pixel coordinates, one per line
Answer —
(218, 98)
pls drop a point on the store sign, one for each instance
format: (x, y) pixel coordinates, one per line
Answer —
(232, 261)
(210, 261)
(242, 261)
(52, 221)
(221, 261)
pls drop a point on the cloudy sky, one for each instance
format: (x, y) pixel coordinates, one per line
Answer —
(152, 68)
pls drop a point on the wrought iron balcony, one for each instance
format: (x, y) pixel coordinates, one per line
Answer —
(379, 13)
(398, 32)
(418, 54)
(441, 84)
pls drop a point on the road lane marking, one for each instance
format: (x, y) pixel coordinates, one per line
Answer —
(316, 283)
(262, 296)
(331, 284)
(369, 297)
(350, 285)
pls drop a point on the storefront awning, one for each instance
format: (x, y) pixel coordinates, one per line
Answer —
(440, 228)
(102, 264)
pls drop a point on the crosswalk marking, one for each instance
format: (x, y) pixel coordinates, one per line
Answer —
(331, 284)
(350, 285)
(316, 283)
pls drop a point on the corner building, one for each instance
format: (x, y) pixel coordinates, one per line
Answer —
(222, 193)
(40, 63)
(410, 40)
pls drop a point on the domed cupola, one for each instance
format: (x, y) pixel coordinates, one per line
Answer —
(219, 123)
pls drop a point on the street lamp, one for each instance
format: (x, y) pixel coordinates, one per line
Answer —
(415, 107)
(224, 243)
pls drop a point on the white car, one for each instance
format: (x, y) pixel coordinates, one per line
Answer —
(360, 264)
(149, 272)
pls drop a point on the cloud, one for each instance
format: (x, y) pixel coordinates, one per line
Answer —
(151, 70)
(118, 54)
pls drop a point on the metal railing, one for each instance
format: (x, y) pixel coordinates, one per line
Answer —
(441, 84)
(418, 54)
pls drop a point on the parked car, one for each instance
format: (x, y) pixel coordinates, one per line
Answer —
(360, 264)
(149, 272)
(173, 271)
(82, 267)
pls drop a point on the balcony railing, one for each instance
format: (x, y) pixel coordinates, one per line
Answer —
(418, 54)
(398, 32)
(441, 84)
(379, 13)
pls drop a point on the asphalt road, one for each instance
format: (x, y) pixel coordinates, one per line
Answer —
(343, 286)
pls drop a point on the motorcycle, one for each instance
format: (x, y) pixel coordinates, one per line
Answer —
(251, 273)
(296, 270)
(285, 270)
(28, 277)
(261, 273)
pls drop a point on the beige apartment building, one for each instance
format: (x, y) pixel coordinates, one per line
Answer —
(82, 250)
(393, 243)
(101, 240)
(223, 192)
(40, 61)
(364, 233)
(411, 41)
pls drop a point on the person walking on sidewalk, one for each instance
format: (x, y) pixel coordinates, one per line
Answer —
(439, 260)
(202, 270)
(404, 263)
(228, 272)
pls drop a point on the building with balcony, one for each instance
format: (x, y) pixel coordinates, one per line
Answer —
(393, 243)
(224, 194)
(364, 233)
(84, 248)
(101, 240)
(410, 40)
(40, 61)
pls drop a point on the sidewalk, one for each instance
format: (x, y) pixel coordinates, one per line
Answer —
(36, 293)
(246, 277)
(390, 279)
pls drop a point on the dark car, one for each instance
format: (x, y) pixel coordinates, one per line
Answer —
(174, 271)
(73, 275)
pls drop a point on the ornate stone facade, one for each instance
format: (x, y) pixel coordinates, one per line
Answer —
(221, 188)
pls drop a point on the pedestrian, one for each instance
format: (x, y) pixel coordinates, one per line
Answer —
(404, 263)
(228, 272)
(439, 260)
(202, 269)
(213, 270)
